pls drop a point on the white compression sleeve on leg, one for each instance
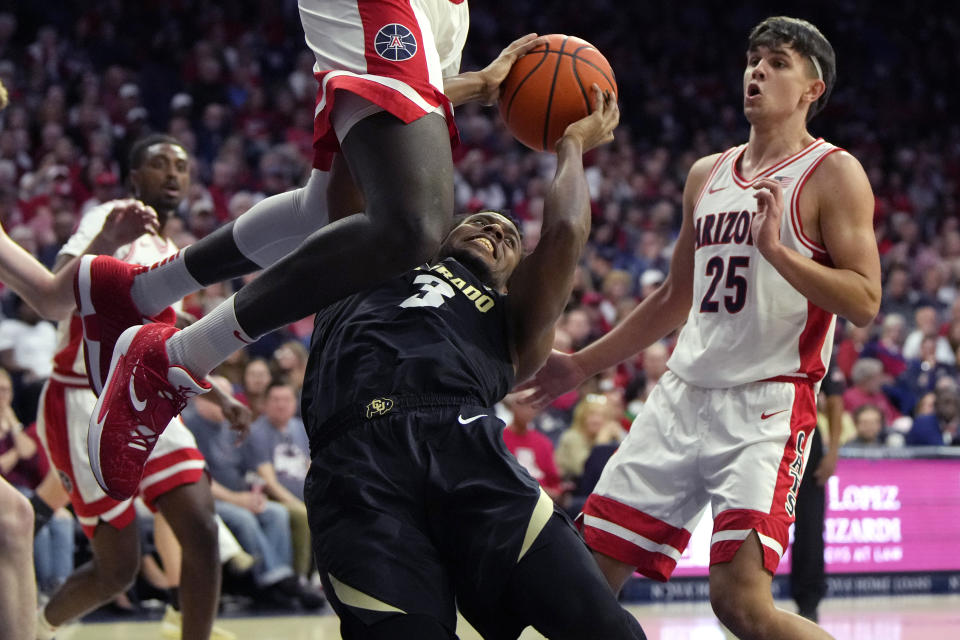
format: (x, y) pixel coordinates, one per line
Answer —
(277, 225)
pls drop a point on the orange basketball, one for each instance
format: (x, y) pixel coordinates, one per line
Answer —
(549, 88)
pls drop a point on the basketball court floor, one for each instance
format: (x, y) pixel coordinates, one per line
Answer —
(887, 618)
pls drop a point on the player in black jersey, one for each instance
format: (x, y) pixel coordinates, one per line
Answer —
(416, 506)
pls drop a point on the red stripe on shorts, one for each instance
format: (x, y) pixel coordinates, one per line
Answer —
(154, 491)
(652, 564)
(637, 521)
(160, 463)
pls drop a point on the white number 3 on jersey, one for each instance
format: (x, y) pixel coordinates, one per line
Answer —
(433, 292)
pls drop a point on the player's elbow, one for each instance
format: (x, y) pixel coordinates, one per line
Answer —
(865, 312)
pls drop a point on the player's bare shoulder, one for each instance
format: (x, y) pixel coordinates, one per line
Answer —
(697, 177)
(838, 190)
(840, 173)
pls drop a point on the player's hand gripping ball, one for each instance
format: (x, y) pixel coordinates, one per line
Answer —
(549, 88)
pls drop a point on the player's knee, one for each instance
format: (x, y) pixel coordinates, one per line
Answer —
(413, 236)
(204, 534)
(618, 625)
(745, 616)
(117, 574)
(16, 521)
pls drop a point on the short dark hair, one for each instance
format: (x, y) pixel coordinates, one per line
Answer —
(805, 39)
(139, 149)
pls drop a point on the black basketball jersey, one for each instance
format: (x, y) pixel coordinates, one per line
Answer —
(435, 330)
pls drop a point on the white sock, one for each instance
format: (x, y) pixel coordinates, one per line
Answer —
(277, 225)
(209, 341)
(164, 283)
(45, 630)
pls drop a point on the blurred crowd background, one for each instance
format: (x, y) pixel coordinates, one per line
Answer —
(233, 81)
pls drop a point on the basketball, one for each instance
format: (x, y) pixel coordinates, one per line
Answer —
(549, 88)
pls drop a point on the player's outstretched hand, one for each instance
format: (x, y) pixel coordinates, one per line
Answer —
(559, 374)
(496, 72)
(129, 220)
(597, 128)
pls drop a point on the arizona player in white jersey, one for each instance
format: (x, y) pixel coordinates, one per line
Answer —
(776, 239)
(174, 482)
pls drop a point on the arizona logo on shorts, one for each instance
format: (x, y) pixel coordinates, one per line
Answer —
(395, 42)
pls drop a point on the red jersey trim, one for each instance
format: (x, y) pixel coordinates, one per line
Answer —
(811, 341)
(795, 206)
(744, 183)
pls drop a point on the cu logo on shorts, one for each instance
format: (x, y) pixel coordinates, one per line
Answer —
(395, 42)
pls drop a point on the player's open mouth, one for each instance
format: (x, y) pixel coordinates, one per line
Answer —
(753, 90)
(486, 244)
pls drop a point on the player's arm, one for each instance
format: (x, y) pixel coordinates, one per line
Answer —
(851, 287)
(656, 316)
(484, 86)
(32, 281)
(540, 287)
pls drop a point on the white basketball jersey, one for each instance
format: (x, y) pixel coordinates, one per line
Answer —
(747, 323)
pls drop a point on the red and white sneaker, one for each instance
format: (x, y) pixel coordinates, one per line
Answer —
(102, 289)
(143, 392)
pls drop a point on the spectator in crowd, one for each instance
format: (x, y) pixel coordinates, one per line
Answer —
(616, 289)
(232, 369)
(576, 324)
(278, 450)
(261, 526)
(27, 345)
(256, 379)
(871, 429)
(899, 296)
(850, 347)
(592, 425)
(532, 449)
(867, 378)
(940, 427)
(291, 365)
(921, 376)
(927, 325)
(654, 366)
(649, 281)
(888, 347)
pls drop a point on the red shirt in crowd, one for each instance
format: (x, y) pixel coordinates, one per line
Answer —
(534, 452)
